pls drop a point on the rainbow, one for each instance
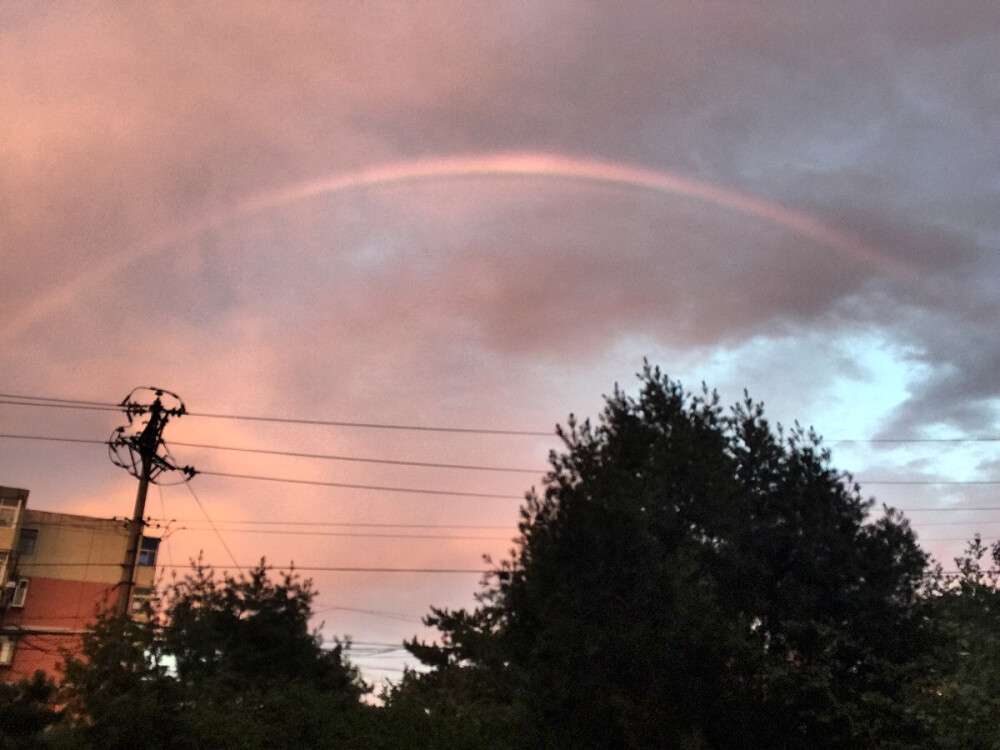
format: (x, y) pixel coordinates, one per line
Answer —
(531, 165)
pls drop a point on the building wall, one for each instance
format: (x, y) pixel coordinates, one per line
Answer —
(77, 548)
(10, 519)
(72, 575)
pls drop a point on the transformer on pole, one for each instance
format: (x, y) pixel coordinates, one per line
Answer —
(136, 448)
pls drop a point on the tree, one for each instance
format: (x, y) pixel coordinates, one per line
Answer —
(450, 709)
(26, 710)
(961, 696)
(120, 694)
(250, 633)
(691, 577)
(232, 647)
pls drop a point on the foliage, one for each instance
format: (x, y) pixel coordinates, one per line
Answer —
(450, 709)
(961, 698)
(238, 648)
(691, 577)
(120, 690)
(250, 633)
(26, 710)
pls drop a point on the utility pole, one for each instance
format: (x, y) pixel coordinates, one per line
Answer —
(136, 449)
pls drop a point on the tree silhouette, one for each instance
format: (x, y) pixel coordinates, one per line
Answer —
(692, 577)
(224, 662)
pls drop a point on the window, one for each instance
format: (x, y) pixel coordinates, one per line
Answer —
(147, 553)
(8, 510)
(20, 593)
(3, 566)
(26, 542)
(6, 650)
(140, 600)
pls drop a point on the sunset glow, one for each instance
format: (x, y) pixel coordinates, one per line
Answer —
(482, 216)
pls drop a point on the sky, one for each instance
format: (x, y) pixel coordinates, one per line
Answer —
(483, 215)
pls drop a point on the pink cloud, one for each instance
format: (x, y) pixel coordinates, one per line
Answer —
(474, 214)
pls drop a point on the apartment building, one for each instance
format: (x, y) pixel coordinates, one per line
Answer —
(57, 571)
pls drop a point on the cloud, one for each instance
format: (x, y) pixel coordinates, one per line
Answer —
(167, 218)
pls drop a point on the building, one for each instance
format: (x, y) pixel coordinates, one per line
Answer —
(58, 571)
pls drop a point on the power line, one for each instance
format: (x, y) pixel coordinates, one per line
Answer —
(54, 439)
(354, 534)
(519, 497)
(345, 485)
(952, 539)
(298, 568)
(886, 482)
(486, 538)
(163, 509)
(205, 512)
(982, 439)
(336, 569)
(338, 523)
(373, 425)
(74, 401)
(374, 612)
(357, 459)
(943, 510)
(22, 400)
(351, 534)
(76, 404)
(929, 482)
(85, 407)
(316, 482)
(983, 573)
(377, 644)
(375, 668)
(294, 454)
